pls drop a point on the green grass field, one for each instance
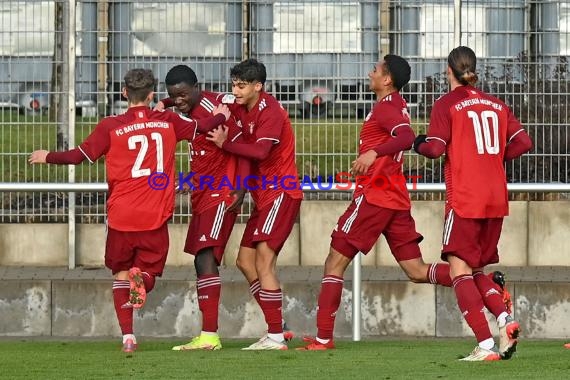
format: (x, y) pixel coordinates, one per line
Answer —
(324, 147)
(381, 359)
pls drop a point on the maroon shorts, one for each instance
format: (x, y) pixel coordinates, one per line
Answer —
(360, 226)
(272, 224)
(472, 240)
(210, 229)
(144, 249)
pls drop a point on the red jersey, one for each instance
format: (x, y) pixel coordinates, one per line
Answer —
(475, 128)
(268, 120)
(136, 144)
(384, 184)
(214, 168)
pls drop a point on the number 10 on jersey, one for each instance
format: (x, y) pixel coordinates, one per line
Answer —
(486, 128)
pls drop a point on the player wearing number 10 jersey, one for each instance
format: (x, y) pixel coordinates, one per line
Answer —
(478, 133)
(137, 145)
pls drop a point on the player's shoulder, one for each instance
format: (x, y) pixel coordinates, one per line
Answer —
(448, 100)
(494, 99)
(222, 97)
(391, 102)
(167, 115)
(394, 99)
(268, 104)
(113, 121)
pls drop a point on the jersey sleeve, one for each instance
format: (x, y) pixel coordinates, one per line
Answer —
(390, 118)
(184, 127)
(514, 126)
(97, 143)
(168, 102)
(439, 123)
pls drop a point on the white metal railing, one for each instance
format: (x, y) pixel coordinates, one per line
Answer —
(313, 187)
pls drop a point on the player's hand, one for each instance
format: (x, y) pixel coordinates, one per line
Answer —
(420, 139)
(238, 196)
(159, 106)
(362, 163)
(181, 190)
(223, 109)
(218, 136)
(38, 157)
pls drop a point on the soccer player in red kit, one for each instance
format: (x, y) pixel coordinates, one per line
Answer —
(478, 133)
(138, 146)
(376, 208)
(269, 142)
(213, 209)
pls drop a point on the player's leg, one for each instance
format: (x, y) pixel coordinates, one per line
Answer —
(330, 295)
(246, 255)
(208, 285)
(151, 250)
(509, 329)
(207, 237)
(403, 240)
(462, 250)
(118, 258)
(274, 225)
(357, 231)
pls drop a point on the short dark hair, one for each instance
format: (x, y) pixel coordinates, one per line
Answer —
(139, 83)
(180, 74)
(399, 70)
(250, 70)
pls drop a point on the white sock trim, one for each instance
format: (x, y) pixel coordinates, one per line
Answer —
(277, 337)
(129, 336)
(487, 344)
(502, 319)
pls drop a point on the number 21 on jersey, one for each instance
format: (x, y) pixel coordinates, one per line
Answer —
(135, 140)
(486, 128)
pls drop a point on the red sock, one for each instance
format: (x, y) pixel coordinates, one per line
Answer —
(271, 302)
(329, 301)
(438, 273)
(209, 288)
(149, 281)
(471, 305)
(492, 297)
(121, 290)
(254, 288)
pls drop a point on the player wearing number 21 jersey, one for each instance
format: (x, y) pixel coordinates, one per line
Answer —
(139, 148)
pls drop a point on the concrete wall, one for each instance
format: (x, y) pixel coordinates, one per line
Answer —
(534, 234)
(39, 296)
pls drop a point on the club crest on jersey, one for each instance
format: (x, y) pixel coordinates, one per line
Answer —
(251, 126)
(229, 99)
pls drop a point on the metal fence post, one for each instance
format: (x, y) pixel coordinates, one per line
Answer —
(356, 297)
(69, 78)
(457, 24)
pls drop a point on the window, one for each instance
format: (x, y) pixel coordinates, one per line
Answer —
(317, 27)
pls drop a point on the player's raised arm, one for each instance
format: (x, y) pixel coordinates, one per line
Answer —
(221, 114)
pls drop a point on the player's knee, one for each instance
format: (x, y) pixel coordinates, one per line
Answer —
(245, 266)
(416, 273)
(205, 262)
